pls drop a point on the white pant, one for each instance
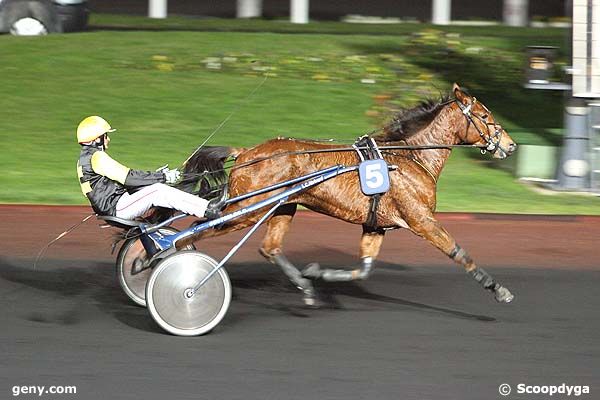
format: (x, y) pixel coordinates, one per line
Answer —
(134, 205)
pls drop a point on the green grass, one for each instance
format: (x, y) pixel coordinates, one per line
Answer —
(156, 89)
(468, 184)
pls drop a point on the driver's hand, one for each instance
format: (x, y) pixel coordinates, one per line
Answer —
(172, 176)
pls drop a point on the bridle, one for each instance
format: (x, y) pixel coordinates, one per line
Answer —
(492, 141)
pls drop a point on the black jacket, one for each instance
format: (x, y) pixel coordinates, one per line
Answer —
(103, 180)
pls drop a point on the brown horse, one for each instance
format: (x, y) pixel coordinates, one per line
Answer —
(409, 203)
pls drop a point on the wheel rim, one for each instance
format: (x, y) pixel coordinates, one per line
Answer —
(172, 279)
(134, 284)
(28, 27)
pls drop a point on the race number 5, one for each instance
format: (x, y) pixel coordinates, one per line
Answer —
(374, 177)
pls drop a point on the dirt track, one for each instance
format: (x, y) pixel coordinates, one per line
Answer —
(418, 329)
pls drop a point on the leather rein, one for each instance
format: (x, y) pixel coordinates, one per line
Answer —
(492, 142)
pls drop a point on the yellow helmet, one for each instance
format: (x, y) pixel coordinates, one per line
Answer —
(92, 128)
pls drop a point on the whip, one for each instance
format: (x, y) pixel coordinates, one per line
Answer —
(56, 239)
(231, 114)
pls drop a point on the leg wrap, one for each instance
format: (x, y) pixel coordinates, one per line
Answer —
(461, 256)
(483, 278)
(291, 272)
(341, 275)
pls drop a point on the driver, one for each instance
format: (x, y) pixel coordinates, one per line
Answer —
(115, 190)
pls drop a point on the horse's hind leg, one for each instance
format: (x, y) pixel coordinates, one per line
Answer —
(271, 249)
(430, 229)
(370, 243)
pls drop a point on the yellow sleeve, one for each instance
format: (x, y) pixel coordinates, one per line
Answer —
(103, 165)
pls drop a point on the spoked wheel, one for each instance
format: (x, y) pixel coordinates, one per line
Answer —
(130, 267)
(172, 302)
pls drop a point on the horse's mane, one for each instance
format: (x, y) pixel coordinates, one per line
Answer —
(409, 121)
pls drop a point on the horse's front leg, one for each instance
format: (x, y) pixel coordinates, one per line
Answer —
(430, 229)
(370, 243)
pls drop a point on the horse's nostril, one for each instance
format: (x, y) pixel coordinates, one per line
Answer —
(512, 147)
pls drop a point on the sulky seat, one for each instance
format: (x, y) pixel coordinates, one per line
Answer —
(119, 222)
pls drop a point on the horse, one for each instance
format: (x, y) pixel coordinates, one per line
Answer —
(456, 119)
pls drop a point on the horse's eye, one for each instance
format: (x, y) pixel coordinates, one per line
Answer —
(484, 116)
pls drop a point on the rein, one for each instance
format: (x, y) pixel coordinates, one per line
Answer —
(335, 150)
(492, 144)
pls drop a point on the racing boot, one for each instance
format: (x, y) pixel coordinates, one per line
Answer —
(213, 210)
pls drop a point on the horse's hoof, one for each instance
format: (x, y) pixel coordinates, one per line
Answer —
(312, 271)
(311, 300)
(503, 295)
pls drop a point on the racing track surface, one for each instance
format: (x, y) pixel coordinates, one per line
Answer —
(418, 329)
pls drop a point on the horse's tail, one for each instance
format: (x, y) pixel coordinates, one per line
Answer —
(203, 175)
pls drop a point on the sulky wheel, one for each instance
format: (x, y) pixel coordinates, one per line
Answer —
(130, 269)
(170, 298)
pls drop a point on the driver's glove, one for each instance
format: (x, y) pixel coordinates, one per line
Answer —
(172, 176)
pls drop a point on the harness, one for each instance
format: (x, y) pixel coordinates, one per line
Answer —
(366, 149)
(492, 141)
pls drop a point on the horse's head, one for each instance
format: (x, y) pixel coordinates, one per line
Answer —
(482, 128)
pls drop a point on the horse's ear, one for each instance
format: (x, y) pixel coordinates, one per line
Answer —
(460, 95)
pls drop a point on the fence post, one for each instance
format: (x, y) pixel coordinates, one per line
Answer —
(157, 8)
(299, 11)
(516, 12)
(249, 8)
(441, 12)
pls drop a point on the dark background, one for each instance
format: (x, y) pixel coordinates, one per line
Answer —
(334, 9)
